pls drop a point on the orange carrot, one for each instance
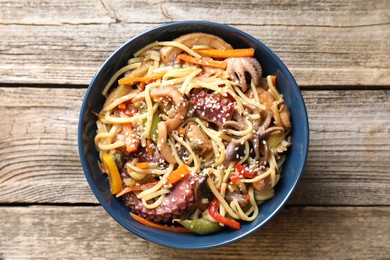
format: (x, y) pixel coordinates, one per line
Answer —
(141, 85)
(133, 80)
(149, 147)
(181, 132)
(142, 165)
(122, 106)
(273, 79)
(222, 54)
(178, 174)
(131, 142)
(203, 62)
(141, 187)
(158, 226)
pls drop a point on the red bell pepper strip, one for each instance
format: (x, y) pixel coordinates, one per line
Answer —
(242, 173)
(213, 210)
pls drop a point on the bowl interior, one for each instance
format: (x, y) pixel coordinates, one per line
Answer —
(271, 64)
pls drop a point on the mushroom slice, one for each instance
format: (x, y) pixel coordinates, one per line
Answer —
(191, 39)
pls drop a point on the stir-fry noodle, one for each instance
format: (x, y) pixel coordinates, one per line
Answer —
(194, 134)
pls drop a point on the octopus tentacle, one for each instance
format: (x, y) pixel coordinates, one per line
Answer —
(181, 201)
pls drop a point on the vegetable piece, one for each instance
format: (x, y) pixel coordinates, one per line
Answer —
(158, 226)
(118, 92)
(274, 139)
(181, 132)
(178, 174)
(153, 128)
(134, 80)
(273, 80)
(131, 141)
(213, 210)
(203, 62)
(113, 174)
(142, 165)
(123, 108)
(201, 226)
(222, 54)
(242, 173)
(149, 147)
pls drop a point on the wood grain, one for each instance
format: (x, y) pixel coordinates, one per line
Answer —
(347, 163)
(323, 42)
(298, 233)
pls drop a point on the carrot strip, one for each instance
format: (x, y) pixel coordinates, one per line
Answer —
(273, 79)
(141, 187)
(158, 226)
(178, 174)
(133, 80)
(203, 62)
(181, 132)
(222, 54)
(142, 165)
(131, 142)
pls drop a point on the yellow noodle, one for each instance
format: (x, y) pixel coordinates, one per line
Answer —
(116, 75)
(272, 90)
(216, 138)
(159, 184)
(168, 43)
(248, 101)
(261, 176)
(146, 171)
(154, 204)
(120, 100)
(121, 120)
(221, 199)
(107, 147)
(196, 160)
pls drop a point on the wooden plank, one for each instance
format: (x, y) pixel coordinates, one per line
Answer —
(318, 42)
(347, 163)
(299, 233)
(266, 12)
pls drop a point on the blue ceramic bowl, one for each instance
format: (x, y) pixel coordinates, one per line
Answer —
(292, 169)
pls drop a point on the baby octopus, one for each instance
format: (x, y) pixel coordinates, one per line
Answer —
(239, 68)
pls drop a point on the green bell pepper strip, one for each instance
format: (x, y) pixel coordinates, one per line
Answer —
(153, 129)
(201, 226)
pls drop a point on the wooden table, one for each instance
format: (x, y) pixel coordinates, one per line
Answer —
(339, 53)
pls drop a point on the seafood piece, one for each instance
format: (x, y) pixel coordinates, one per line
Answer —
(239, 68)
(166, 127)
(212, 108)
(179, 203)
(198, 140)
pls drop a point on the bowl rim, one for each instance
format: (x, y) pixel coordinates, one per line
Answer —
(103, 202)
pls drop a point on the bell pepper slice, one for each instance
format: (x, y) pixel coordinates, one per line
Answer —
(113, 174)
(242, 173)
(201, 226)
(213, 210)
